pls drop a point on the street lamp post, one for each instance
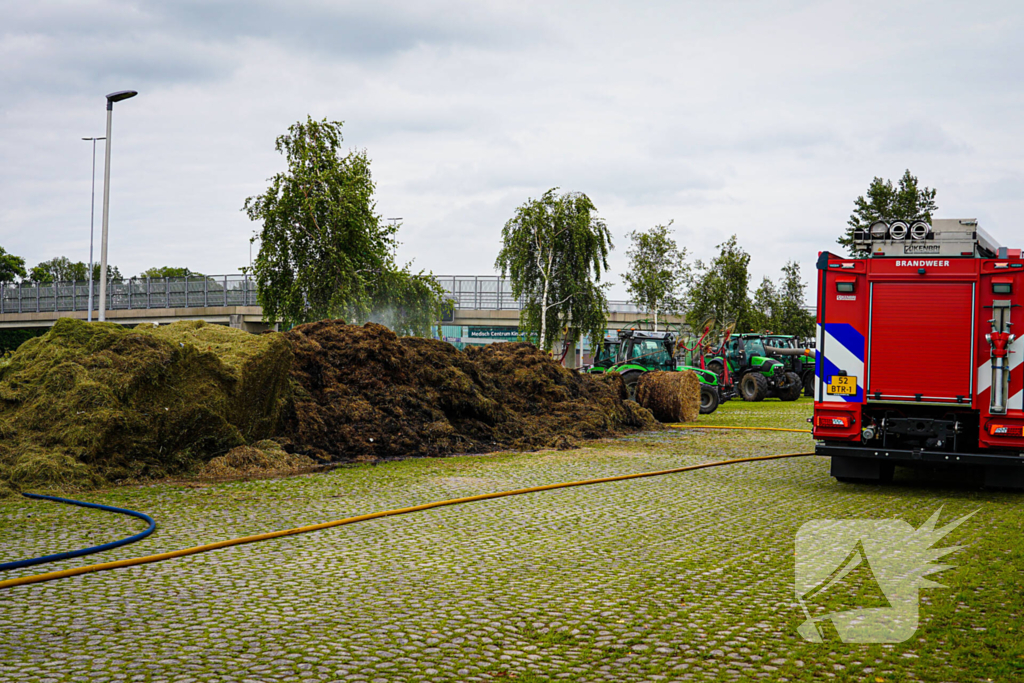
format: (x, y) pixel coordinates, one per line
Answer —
(394, 224)
(92, 216)
(111, 98)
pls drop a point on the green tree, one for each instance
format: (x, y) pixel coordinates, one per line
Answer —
(658, 272)
(719, 288)
(113, 271)
(789, 315)
(169, 271)
(59, 269)
(553, 251)
(764, 305)
(884, 201)
(11, 266)
(324, 251)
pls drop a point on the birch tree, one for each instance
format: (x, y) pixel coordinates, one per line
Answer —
(554, 250)
(325, 252)
(658, 272)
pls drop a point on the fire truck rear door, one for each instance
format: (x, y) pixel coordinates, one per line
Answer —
(920, 342)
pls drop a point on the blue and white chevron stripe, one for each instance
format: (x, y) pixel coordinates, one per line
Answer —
(840, 347)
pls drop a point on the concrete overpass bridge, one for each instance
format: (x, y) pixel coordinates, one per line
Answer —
(218, 299)
(478, 301)
(483, 307)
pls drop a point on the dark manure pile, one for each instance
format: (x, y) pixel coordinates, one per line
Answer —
(364, 393)
(87, 404)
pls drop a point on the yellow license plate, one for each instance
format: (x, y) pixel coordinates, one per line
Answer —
(846, 386)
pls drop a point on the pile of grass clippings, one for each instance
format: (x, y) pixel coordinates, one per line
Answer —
(92, 403)
(365, 392)
(264, 457)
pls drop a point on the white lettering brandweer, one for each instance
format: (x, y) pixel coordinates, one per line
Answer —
(921, 263)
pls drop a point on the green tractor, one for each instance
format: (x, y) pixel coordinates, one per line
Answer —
(753, 371)
(788, 350)
(634, 352)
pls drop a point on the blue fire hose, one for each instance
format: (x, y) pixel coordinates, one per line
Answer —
(84, 551)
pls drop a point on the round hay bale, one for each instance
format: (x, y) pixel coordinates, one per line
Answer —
(670, 396)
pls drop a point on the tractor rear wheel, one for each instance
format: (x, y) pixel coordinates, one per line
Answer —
(753, 386)
(789, 387)
(708, 399)
(631, 379)
(717, 368)
(808, 381)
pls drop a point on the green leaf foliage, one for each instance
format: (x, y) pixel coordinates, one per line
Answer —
(766, 298)
(11, 266)
(780, 309)
(59, 269)
(719, 289)
(884, 201)
(113, 271)
(11, 339)
(63, 269)
(169, 271)
(658, 272)
(553, 251)
(324, 251)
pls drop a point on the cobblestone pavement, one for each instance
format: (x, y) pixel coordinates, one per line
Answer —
(681, 577)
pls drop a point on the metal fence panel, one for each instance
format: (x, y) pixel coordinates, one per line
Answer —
(473, 292)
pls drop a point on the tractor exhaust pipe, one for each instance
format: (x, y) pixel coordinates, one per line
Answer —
(775, 351)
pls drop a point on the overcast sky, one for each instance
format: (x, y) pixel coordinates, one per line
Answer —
(765, 119)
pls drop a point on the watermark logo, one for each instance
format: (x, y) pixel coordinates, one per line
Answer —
(876, 567)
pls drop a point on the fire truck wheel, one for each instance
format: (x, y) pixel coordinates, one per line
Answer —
(708, 399)
(790, 386)
(754, 386)
(808, 381)
(631, 379)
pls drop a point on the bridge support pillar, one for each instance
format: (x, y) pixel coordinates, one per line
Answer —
(239, 322)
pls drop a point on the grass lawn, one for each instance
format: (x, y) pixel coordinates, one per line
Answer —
(682, 577)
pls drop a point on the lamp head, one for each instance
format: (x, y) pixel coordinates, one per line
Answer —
(118, 96)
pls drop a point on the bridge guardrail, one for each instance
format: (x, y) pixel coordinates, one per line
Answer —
(475, 292)
(136, 293)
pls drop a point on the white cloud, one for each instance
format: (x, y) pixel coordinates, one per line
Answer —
(760, 119)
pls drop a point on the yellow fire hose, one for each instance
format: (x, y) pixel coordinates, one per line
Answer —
(160, 557)
(753, 429)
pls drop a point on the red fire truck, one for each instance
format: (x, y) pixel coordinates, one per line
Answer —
(917, 360)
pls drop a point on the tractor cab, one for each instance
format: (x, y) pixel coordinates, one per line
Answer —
(741, 348)
(650, 350)
(607, 355)
(781, 341)
(747, 350)
(754, 346)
